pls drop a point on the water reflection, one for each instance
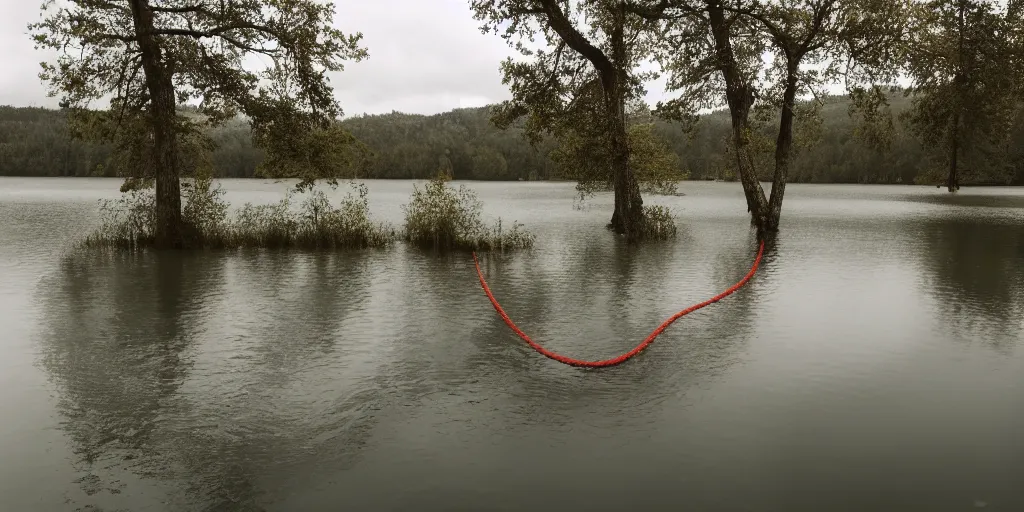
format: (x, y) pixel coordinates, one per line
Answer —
(201, 371)
(273, 368)
(301, 301)
(384, 380)
(975, 274)
(118, 335)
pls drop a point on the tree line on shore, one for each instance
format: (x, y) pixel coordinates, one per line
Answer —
(577, 91)
(36, 142)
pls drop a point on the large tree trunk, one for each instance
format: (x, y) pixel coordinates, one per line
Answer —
(628, 217)
(783, 149)
(740, 99)
(162, 118)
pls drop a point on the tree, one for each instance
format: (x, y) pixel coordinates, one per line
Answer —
(148, 56)
(960, 61)
(715, 50)
(705, 56)
(585, 157)
(580, 84)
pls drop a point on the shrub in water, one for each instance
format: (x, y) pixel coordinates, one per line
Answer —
(204, 212)
(441, 217)
(321, 225)
(658, 223)
(128, 222)
(264, 225)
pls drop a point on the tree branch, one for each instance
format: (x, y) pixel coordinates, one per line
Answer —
(118, 37)
(654, 13)
(821, 11)
(216, 31)
(220, 32)
(526, 10)
(558, 22)
(191, 8)
(558, 60)
(113, 6)
(776, 32)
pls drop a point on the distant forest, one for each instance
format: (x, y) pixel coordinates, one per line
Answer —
(37, 142)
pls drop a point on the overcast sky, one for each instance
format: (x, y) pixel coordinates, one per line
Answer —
(426, 56)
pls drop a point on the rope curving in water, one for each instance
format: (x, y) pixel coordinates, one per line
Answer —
(632, 353)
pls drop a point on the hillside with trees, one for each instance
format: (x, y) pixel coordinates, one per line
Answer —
(37, 142)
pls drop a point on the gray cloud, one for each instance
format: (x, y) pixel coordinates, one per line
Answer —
(426, 56)
(19, 83)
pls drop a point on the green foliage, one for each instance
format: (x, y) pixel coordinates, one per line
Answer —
(204, 210)
(132, 153)
(587, 161)
(297, 146)
(128, 222)
(444, 218)
(204, 42)
(559, 86)
(657, 167)
(963, 59)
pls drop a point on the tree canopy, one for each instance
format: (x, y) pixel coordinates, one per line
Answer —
(148, 56)
(963, 63)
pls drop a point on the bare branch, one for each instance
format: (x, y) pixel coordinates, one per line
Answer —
(773, 28)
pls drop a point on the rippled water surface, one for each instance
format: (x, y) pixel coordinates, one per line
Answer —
(875, 363)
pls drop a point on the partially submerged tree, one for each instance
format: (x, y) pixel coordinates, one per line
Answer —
(714, 50)
(960, 60)
(148, 56)
(579, 85)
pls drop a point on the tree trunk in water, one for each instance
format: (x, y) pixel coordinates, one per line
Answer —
(783, 148)
(162, 118)
(953, 181)
(740, 98)
(628, 217)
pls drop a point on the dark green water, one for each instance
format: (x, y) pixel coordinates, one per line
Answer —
(876, 363)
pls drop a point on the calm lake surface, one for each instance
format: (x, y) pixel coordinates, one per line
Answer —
(876, 362)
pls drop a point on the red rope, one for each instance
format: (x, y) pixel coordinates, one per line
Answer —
(632, 353)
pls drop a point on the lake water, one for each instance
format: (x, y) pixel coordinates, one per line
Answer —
(876, 362)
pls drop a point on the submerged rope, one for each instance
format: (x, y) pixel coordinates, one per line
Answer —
(632, 353)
